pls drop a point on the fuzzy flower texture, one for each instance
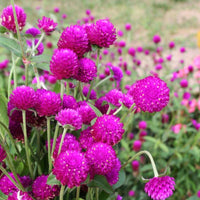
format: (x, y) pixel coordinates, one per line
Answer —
(160, 188)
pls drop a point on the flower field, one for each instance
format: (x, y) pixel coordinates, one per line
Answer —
(99, 100)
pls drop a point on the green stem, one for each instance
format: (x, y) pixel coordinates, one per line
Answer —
(49, 142)
(150, 157)
(62, 192)
(38, 43)
(26, 74)
(68, 191)
(17, 27)
(19, 186)
(26, 143)
(78, 192)
(102, 81)
(54, 138)
(9, 81)
(118, 110)
(62, 139)
(67, 87)
(37, 77)
(14, 71)
(126, 114)
(97, 193)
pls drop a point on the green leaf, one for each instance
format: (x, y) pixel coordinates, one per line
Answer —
(44, 58)
(102, 183)
(43, 66)
(3, 29)
(11, 45)
(164, 147)
(193, 198)
(52, 180)
(151, 139)
(3, 196)
(121, 181)
(96, 110)
(3, 110)
(103, 195)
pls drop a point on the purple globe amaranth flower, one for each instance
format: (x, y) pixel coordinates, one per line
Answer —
(182, 50)
(99, 103)
(64, 63)
(160, 188)
(107, 129)
(127, 100)
(171, 44)
(120, 33)
(71, 168)
(122, 43)
(198, 194)
(87, 70)
(6, 186)
(47, 25)
(8, 19)
(135, 165)
(19, 195)
(48, 103)
(132, 51)
(39, 49)
(87, 113)
(23, 97)
(69, 102)
(42, 191)
(93, 94)
(69, 143)
(184, 83)
(4, 64)
(33, 31)
(117, 73)
(86, 140)
(119, 197)
(26, 181)
(142, 125)
(137, 144)
(128, 26)
(114, 97)
(113, 176)
(2, 154)
(74, 38)
(158, 67)
(101, 158)
(150, 94)
(156, 39)
(69, 117)
(102, 33)
(131, 193)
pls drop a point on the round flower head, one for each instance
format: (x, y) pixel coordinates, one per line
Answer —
(64, 63)
(117, 73)
(70, 143)
(69, 117)
(99, 103)
(40, 48)
(107, 129)
(113, 176)
(127, 100)
(184, 83)
(103, 33)
(71, 168)
(42, 191)
(74, 38)
(198, 194)
(19, 195)
(69, 102)
(119, 197)
(4, 64)
(114, 97)
(47, 25)
(23, 97)
(142, 125)
(26, 181)
(101, 158)
(150, 94)
(86, 113)
(48, 103)
(8, 19)
(128, 27)
(137, 144)
(6, 186)
(135, 165)
(156, 39)
(87, 70)
(2, 154)
(131, 193)
(93, 94)
(131, 51)
(86, 140)
(33, 31)
(160, 188)
(171, 44)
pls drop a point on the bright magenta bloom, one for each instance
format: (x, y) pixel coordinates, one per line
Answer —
(47, 25)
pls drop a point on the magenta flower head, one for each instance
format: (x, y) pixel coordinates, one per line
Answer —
(184, 83)
(56, 10)
(156, 39)
(128, 27)
(132, 51)
(87, 70)
(64, 63)
(69, 118)
(119, 197)
(117, 73)
(101, 158)
(182, 50)
(4, 64)
(135, 165)
(2, 154)
(23, 97)
(142, 125)
(171, 44)
(160, 188)
(71, 168)
(74, 38)
(150, 94)
(107, 129)
(47, 25)
(42, 191)
(69, 102)
(70, 143)
(102, 34)
(8, 19)
(137, 144)
(120, 33)
(114, 97)
(131, 193)
(93, 94)
(48, 103)
(33, 31)
(113, 176)
(198, 194)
